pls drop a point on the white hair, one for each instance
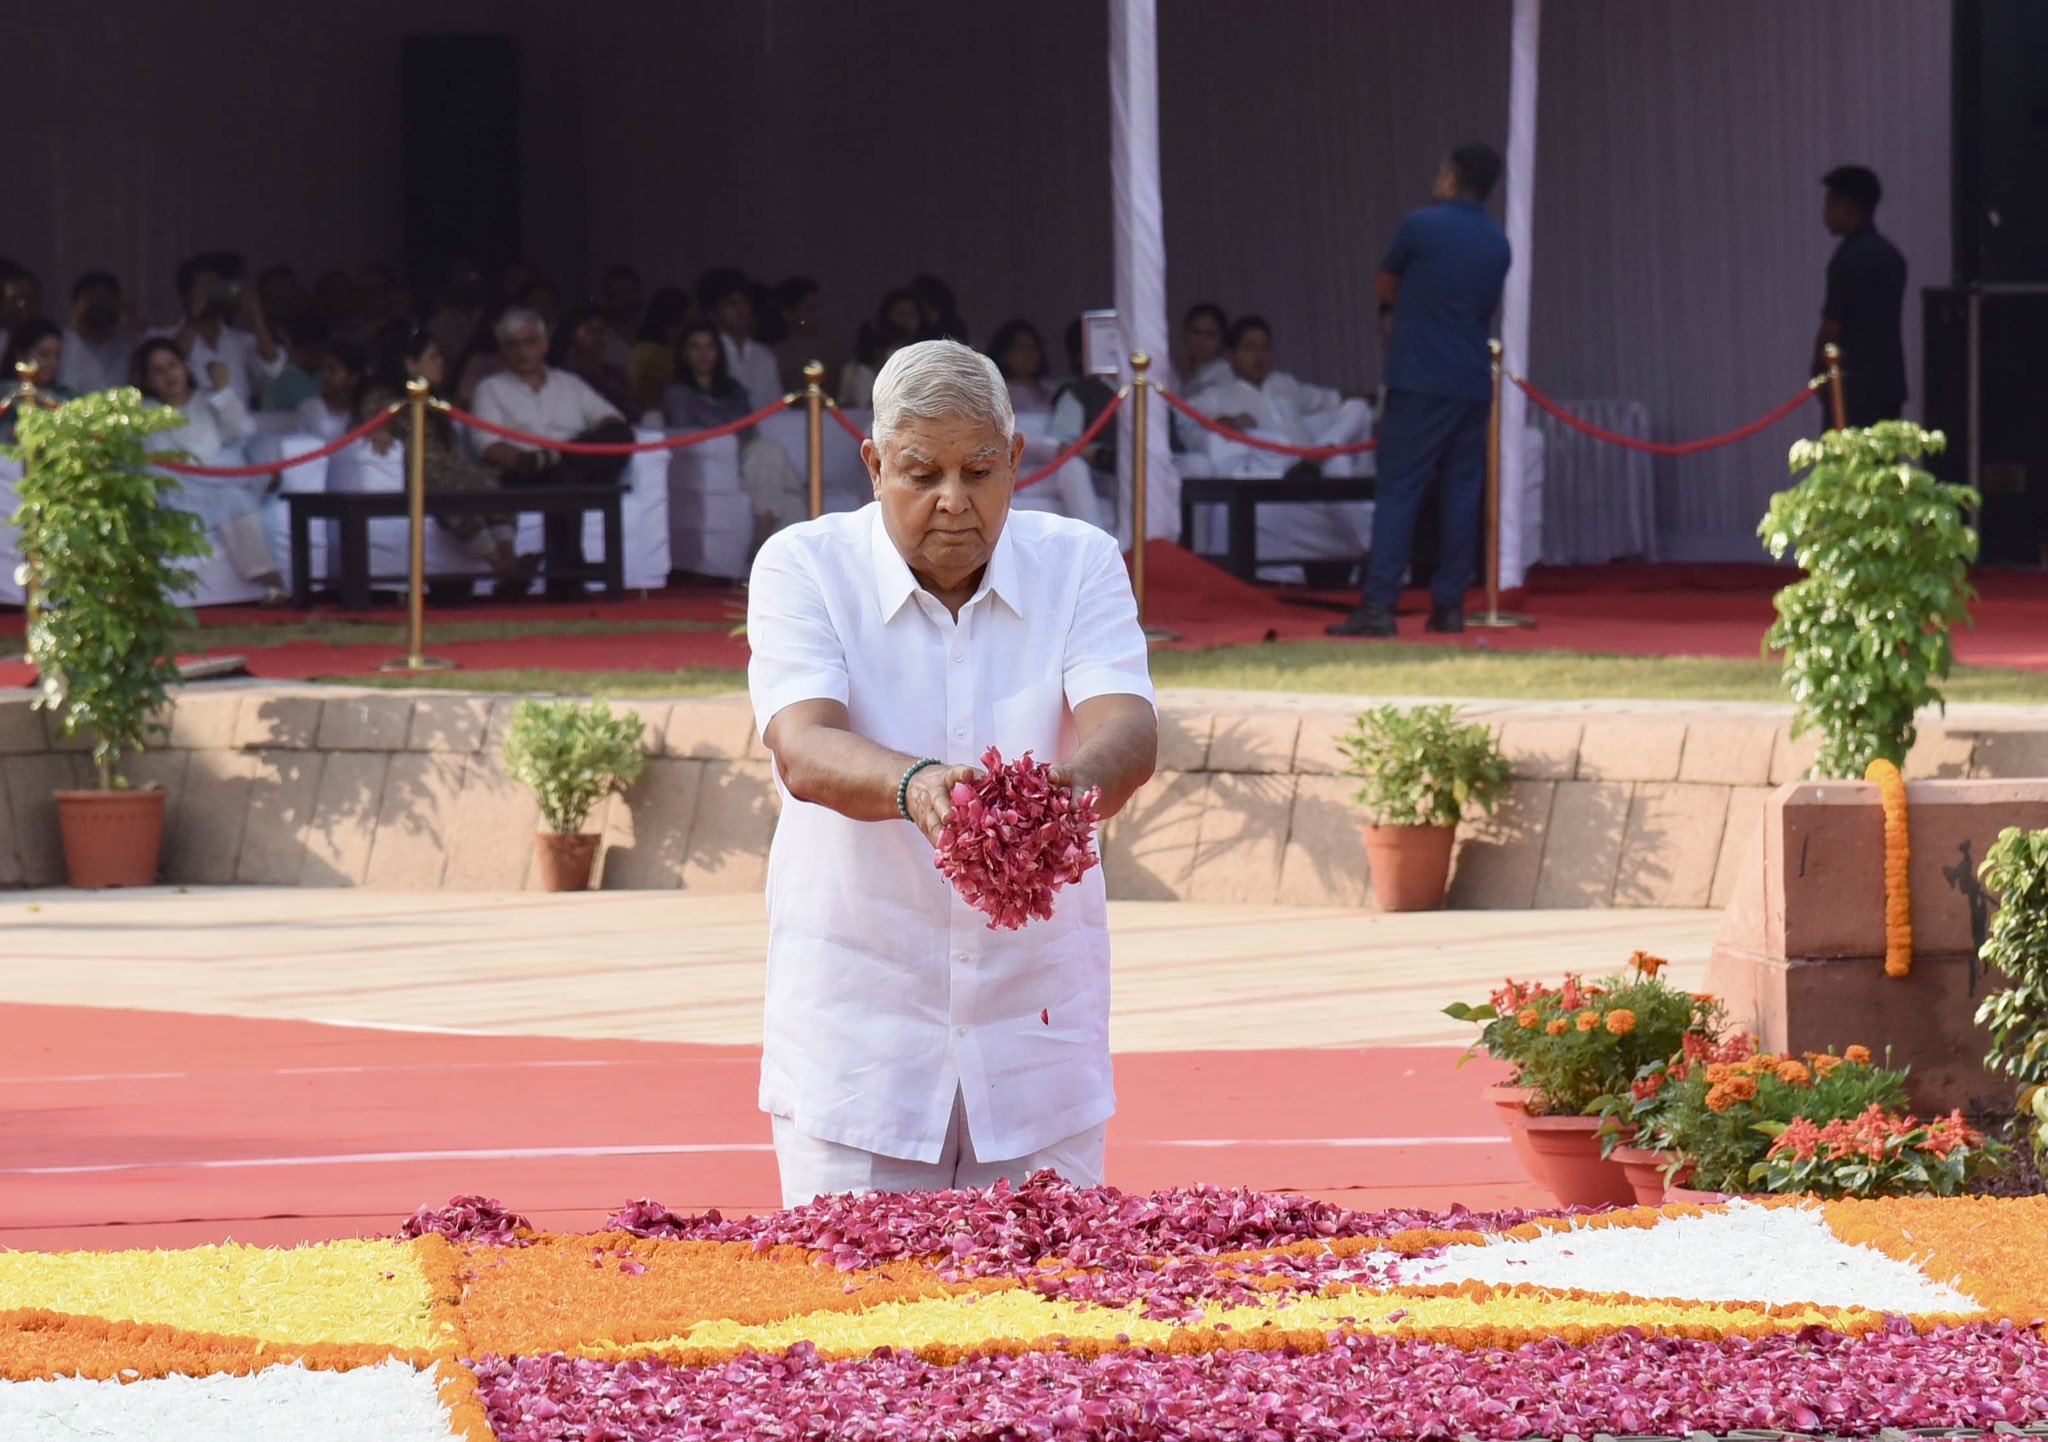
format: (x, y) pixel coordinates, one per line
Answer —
(516, 319)
(934, 379)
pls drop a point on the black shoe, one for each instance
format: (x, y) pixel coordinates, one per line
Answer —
(1449, 620)
(1368, 619)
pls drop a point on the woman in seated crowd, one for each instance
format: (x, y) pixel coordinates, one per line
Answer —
(1019, 354)
(896, 324)
(580, 348)
(344, 371)
(216, 424)
(652, 368)
(706, 395)
(39, 343)
(416, 354)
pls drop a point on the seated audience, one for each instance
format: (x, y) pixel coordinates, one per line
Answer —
(210, 287)
(1019, 353)
(706, 395)
(480, 357)
(544, 298)
(580, 350)
(36, 342)
(305, 347)
(620, 299)
(380, 298)
(1204, 362)
(458, 310)
(652, 366)
(533, 397)
(896, 324)
(334, 296)
(1077, 404)
(216, 424)
(801, 305)
(403, 357)
(21, 296)
(101, 337)
(344, 371)
(284, 296)
(939, 314)
(725, 298)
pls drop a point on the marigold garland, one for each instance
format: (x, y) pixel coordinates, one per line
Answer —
(1898, 855)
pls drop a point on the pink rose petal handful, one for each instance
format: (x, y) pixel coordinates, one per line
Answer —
(1014, 839)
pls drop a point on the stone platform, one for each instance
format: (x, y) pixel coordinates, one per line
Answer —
(1629, 804)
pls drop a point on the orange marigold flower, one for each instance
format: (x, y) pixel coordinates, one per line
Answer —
(1527, 1018)
(1741, 1088)
(1825, 1065)
(1557, 1027)
(1718, 1098)
(1621, 1021)
(1794, 1073)
(1718, 1072)
(1647, 964)
(1856, 1055)
(1589, 1021)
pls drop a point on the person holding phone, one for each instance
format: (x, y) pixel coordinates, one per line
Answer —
(210, 286)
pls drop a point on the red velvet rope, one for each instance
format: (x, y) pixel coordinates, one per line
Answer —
(846, 425)
(619, 448)
(228, 473)
(1668, 448)
(1081, 443)
(1307, 453)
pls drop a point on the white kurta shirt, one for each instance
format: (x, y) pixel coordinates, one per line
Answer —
(755, 367)
(887, 994)
(90, 366)
(248, 371)
(561, 409)
(1282, 407)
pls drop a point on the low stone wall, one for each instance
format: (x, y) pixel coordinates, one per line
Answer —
(1612, 805)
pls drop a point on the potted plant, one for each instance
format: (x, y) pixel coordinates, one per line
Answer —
(103, 559)
(571, 755)
(1875, 1154)
(1421, 770)
(1503, 1040)
(2016, 870)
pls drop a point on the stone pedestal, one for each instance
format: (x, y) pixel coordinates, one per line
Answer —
(1800, 957)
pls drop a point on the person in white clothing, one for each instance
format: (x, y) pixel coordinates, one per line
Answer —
(1019, 353)
(211, 290)
(216, 424)
(907, 1045)
(533, 397)
(344, 370)
(1205, 361)
(726, 298)
(101, 337)
(1273, 405)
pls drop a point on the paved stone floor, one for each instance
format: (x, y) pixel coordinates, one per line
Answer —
(658, 966)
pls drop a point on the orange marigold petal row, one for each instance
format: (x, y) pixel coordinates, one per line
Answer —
(1988, 1247)
(1898, 855)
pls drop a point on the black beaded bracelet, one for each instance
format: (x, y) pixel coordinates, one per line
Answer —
(903, 786)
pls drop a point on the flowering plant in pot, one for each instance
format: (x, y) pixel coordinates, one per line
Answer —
(571, 755)
(1421, 771)
(1504, 1041)
(1876, 1154)
(104, 558)
(1728, 1103)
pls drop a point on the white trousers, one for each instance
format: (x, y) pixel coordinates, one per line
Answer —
(812, 1168)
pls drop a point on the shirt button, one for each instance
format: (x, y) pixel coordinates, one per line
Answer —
(961, 958)
(960, 733)
(959, 656)
(959, 1031)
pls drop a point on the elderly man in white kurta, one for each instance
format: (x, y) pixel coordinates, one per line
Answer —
(907, 1046)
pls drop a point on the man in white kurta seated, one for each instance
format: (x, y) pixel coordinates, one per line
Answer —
(1275, 406)
(907, 1046)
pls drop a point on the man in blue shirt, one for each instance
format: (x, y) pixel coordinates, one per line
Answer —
(1440, 283)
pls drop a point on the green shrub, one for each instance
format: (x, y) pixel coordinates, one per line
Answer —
(572, 754)
(2016, 869)
(1422, 767)
(1886, 549)
(104, 558)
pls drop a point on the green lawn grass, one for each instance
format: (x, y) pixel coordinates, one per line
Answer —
(1330, 668)
(392, 633)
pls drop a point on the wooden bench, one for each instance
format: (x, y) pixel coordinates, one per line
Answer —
(1240, 496)
(354, 510)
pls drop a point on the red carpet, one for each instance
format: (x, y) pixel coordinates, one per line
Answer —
(1637, 610)
(130, 1128)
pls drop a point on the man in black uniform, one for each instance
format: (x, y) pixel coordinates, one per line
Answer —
(1866, 289)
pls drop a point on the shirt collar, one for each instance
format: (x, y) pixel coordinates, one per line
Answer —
(894, 583)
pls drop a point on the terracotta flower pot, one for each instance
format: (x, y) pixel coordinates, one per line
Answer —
(111, 838)
(1511, 1103)
(565, 861)
(1645, 1172)
(1410, 865)
(1578, 1175)
(1687, 1194)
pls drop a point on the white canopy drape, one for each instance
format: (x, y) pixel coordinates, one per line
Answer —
(1514, 307)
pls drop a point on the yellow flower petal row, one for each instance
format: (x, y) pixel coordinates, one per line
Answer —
(339, 1292)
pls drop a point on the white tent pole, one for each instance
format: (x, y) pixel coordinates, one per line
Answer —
(1140, 247)
(1514, 309)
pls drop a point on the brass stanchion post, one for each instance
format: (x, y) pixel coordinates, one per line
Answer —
(814, 416)
(416, 659)
(1832, 354)
(1494, 619)
(1141, 382)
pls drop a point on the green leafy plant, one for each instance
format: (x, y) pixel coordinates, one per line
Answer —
(1875, 1154)
(1886, 549)
(104, 558)
(1423, 767)
(1726, 1103)
(571, 755)
(2016, 870)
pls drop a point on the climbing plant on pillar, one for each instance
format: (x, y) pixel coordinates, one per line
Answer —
(1886, 548)
(2016, 869)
